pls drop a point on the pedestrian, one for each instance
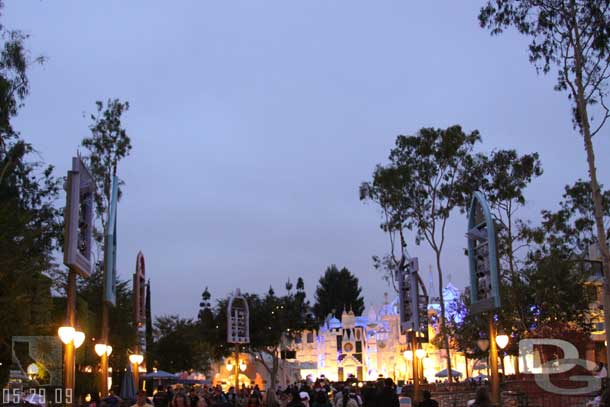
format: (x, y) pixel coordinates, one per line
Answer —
(387, 396)
(253, 401)
(428, 402)
(95, 400)
(304, 397)
(482, 398)
(320, 399)
(161, 398)
(347, 399)
(142, 400)
(180, 400)
(112, 400)
(295, 399)
(201, 401)
(272, 400)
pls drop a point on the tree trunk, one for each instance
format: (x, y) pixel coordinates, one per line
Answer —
(581, 105)
(442, 320)
(274, 371)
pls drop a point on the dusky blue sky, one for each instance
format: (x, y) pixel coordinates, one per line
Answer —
(254, 122)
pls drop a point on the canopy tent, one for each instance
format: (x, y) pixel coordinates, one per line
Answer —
(480, 364)
(160, 375)
(194, 381)
(443, 373)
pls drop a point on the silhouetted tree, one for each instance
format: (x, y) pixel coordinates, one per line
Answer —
(571, 36)
(337, 291)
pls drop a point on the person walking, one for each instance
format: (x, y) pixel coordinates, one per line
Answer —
(427, 401)
(142, 400)
(482, 398)
(387, 396)
(161, 398)
(320, 399)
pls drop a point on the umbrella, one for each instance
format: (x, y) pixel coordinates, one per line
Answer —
(443, 373)
(480, 365)
(128, 389)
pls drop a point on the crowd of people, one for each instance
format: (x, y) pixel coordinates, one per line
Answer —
(321, 393)
(303, 394)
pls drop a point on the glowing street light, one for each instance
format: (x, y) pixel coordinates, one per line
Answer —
(66, 334)
(408, 354)
(136, 359)
(101, 349)
(420, 353)
(79, 338)
(229, 366)
(242, 365)
(502, 341)
(32, 370)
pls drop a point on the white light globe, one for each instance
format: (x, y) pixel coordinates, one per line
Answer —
(79, 338)
(66, 334)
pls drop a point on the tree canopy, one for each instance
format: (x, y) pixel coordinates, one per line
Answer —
(337, 291)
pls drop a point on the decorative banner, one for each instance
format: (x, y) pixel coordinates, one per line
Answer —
(482, 254)
(139, 291)
(238, 319)
(111, 245)
(78, 218)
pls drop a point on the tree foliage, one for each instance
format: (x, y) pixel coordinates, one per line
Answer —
(179, 345)
(120, 321)
(425, 180)
(572, 36)
(29, 221)
(337, 291)
(107, 146)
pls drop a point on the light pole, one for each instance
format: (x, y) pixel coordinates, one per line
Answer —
(72, 339)
(136, 359)
(103, 351)
(238, 327)
(493, 362)
(415, 365)
(78, 226)
(502, 341)
(420, 354)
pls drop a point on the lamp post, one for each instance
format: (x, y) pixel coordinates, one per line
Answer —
(415, 364)
(136, 359)
(103, 351)
(420, 354)
(72, 339)
(502, 341)
(236, 368)
(78, 221)
(493, 359)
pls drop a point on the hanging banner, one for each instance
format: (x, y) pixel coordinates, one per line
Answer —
(139, 291)
(238, 319)
(111, 245)
(482, 255)
(78, 218)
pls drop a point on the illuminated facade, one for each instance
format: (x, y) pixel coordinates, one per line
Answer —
(369, 346)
